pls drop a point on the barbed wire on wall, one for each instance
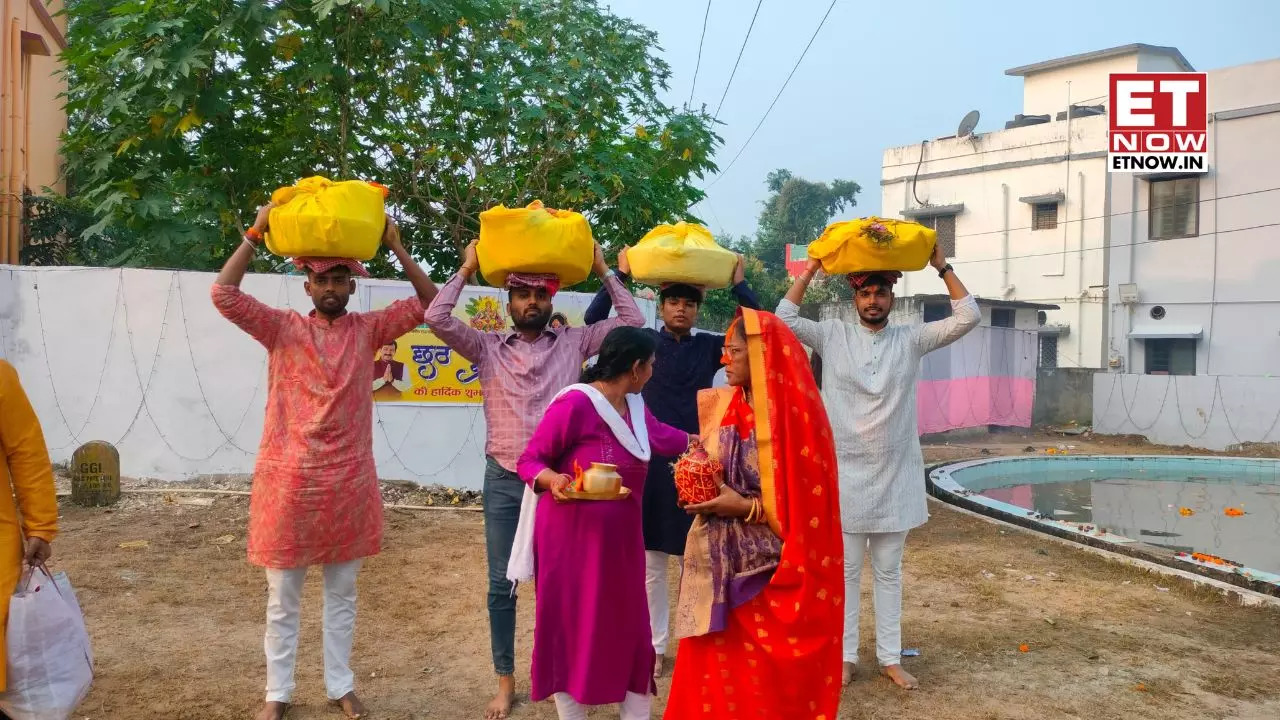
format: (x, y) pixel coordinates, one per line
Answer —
(145, 389)
(1218, 405)
(97, 393)
(281, 295)
(475, 413)
(973, 407)
(146, 406)
(1000, 402)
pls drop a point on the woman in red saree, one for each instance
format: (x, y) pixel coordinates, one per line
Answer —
(762, 597)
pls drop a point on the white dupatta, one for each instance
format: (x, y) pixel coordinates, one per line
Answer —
(634, 439)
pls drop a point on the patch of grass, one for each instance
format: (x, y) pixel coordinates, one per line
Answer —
(1247, 683)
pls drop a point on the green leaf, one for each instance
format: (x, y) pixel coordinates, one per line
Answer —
(454, 117)
(122, 258)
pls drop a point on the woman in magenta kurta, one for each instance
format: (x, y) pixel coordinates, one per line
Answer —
(591, 639)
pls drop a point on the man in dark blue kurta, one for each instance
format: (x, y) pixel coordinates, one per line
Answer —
(686, 363)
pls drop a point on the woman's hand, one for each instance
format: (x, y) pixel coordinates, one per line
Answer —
(555, 483)
(37, 553)
(729, 504)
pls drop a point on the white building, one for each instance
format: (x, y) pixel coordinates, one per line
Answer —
(1169, 284)
(1022, 210)
(1194, 267)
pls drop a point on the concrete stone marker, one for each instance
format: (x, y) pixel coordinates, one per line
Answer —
(95, 475)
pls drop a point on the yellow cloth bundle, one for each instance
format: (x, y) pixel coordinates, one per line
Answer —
(681, 253)
(535, 240)
(873, 243)
(318, 217)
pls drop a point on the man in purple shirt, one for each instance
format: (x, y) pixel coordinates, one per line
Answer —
(520, 370)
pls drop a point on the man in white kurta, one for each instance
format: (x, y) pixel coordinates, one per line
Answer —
(869, 374)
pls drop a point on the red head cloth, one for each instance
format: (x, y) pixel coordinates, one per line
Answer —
(550, 283)
(857, 280)
(320, 266)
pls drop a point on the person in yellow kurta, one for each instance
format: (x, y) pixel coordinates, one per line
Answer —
(27, 476)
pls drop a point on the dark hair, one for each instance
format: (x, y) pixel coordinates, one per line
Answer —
(394, 345)
(623, 347)
(558, 316)
(876, 280)
(681, 291)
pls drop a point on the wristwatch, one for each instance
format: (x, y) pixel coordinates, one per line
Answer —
(945, 269)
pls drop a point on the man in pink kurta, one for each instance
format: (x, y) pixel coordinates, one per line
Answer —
(316, 499)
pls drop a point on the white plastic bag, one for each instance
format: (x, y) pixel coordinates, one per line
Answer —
(520, 564)
(50, 662)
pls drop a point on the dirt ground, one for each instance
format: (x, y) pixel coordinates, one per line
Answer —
(177, 623)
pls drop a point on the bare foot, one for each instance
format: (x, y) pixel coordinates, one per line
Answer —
(900, 677)
(273, 711)
(500, 707)
(663, 668)
(350, 706)
(850, 672)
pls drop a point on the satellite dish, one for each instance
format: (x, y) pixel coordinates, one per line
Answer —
(967, 125)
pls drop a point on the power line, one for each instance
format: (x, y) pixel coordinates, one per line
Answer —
(778, 96)
(698, 66)
(1109, 246)
(741, 50)
(1126, 212)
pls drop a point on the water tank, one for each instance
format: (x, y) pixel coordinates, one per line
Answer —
(1025, 120)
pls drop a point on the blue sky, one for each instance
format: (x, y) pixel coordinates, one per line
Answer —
(884, 74)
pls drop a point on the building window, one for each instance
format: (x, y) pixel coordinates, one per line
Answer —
(1170, 356)
(1175, 209)
(1048, 351)
(1002, 317)
(1044, 216)
(937, 311)
(945, 226)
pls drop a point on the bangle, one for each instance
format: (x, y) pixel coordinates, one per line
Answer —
(751, 513)
(253, 234)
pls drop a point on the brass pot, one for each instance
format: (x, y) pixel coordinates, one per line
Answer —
(601, 478)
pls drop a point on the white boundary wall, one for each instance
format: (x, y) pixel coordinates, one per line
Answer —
(1213, 412)
(140, 359)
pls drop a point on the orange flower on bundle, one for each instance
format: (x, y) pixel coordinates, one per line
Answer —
(697, 476)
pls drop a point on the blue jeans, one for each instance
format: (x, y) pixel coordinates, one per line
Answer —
(503, 491)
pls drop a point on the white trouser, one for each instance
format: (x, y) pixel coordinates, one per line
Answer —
(633, 707)
(886, 564)
(283, 603)
(657, 588)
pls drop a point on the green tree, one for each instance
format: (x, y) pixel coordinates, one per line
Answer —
(185, 115)
(796, 212)
(719, 307)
